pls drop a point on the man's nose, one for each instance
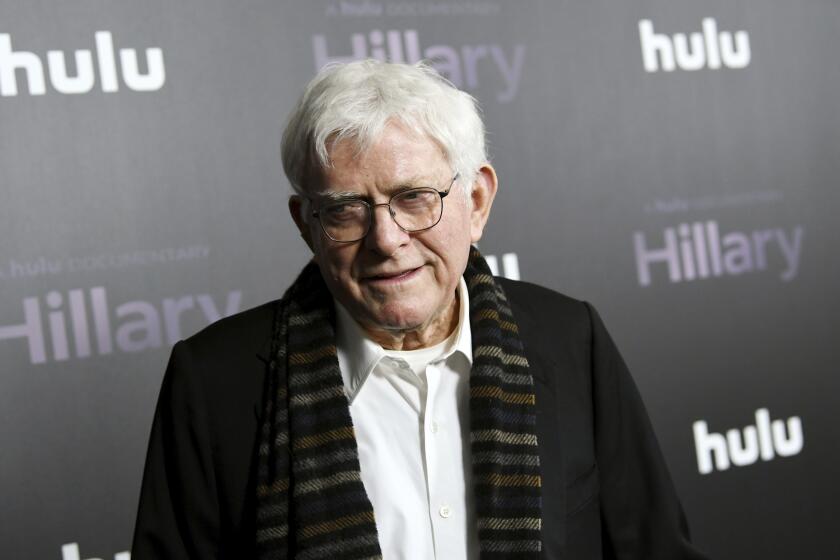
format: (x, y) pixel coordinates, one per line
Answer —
(385, 236)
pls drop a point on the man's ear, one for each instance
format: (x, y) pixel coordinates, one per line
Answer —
(298, 207)
(482, 192)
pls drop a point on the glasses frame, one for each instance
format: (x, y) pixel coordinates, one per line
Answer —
(372, 207)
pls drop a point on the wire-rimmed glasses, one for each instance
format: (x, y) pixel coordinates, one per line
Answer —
(413, 210)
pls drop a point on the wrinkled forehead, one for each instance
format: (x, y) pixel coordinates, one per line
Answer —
(398, 157)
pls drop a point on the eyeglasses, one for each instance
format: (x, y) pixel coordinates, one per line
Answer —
(412, 210)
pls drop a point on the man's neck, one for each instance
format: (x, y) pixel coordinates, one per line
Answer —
(435, 331)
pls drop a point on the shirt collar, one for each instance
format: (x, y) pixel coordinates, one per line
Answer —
(358, 355)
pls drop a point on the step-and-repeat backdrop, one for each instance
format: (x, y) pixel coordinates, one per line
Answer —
(676, 163)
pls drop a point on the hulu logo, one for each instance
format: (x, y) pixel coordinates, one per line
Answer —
(765, 440)
(31, 66)
(704, 49)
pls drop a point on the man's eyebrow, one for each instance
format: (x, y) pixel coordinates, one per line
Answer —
(338, 196)
(405, 184)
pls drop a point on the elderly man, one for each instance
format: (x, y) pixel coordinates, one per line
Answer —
(399, 401)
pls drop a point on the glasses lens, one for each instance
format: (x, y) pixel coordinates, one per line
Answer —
(345, 221)
(417, 209)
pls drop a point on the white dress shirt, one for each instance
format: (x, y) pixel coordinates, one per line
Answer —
(410, 412)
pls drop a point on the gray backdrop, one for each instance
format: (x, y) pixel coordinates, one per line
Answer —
(673, 162)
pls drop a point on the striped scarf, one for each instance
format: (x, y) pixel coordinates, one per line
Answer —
(311, 503)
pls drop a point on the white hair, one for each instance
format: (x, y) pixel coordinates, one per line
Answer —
(356, 100)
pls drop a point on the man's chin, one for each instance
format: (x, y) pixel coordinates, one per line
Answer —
(396, 323)
(395, 317)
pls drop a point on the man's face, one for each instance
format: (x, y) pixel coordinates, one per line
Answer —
(393, 281)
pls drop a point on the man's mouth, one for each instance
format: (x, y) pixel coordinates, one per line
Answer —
(392, 276)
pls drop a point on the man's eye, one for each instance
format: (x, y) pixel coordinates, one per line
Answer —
(344, 211)
(416, 198)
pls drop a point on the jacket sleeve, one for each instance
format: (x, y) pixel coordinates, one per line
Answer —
(641, 514)
(178, 515)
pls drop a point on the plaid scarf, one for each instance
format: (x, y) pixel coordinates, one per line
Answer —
(311, 503)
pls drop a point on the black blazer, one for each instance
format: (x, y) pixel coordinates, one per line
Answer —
(606, 490)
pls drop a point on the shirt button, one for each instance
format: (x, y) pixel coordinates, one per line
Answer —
(445, 512)
(434, 427)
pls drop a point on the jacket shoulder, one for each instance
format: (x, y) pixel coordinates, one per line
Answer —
(243, 334)
(556, 331)
(545, 307)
